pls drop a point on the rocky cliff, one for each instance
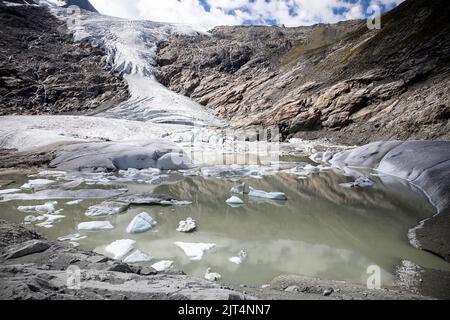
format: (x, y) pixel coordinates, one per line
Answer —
(343, 81)
(43, 71)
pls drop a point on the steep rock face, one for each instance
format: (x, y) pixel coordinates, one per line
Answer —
(343, 81)
(43, 71)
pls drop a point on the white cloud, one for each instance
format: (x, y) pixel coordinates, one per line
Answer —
(288, 12)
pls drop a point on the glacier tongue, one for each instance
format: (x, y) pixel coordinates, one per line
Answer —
(131, 48)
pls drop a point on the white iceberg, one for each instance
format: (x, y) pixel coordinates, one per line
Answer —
(322, 157)
(8, 191)
(120, 248)
(163, 265)
(234, 200)
(311, 169)
(38, 183)
(141, 223)
(51, 219)
(240, 189)
(195, 251)
(212, 276)
(95, 225)
(361, 182)
(72, 237)
(137, 256)
(31, 219)
(46, 208)
(267, 195)
(187, 225)
(52, 174)
(240, 258)
(106, 208)
(74, 202)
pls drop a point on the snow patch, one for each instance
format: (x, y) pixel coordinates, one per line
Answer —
(95, 226)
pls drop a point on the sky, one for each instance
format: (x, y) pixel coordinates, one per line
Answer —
(210, 13)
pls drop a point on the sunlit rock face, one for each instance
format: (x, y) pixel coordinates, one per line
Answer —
(340, 81)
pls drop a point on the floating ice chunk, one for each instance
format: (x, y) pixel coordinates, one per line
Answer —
(106, 208)
(46, 208)
(72, 184)
(195, 251)
(31, 219)
(241, 257)
(120, 248)
(38, 183)
(175, 203)
(72, 237)
(361, 182)
(53, 174)
(187, 225)
(159, 179)
(51, 219)
(137, 256)
(267, 195)
(212, 276)
(95, 225)
(8, 191)
(65, 194)
(190, 173)
(317, 157)
(324, 169)
(299, 171)
(74, 202)
(240, 189)
(162, 265)
(234, 201)
(322, 157)
(311, 169)
(141, 223)
(135, 174)
(233, 170)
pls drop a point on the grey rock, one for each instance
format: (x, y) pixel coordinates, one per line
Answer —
(27, 248)
(54, 74)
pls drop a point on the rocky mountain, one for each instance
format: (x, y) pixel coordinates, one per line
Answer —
(44, 71)
(342, 81)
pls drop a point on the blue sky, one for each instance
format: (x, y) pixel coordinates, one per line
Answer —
(210, 13)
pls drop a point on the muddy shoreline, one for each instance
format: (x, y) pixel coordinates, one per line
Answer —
(32, 267)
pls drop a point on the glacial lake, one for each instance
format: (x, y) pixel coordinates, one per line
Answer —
(323, 230)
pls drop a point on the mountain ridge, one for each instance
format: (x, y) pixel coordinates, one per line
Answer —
(342, 81)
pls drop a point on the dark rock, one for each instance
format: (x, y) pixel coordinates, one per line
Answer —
(27, 248)
(121, 267)
(43, 71)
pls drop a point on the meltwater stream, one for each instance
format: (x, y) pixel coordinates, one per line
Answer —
(323, 230)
